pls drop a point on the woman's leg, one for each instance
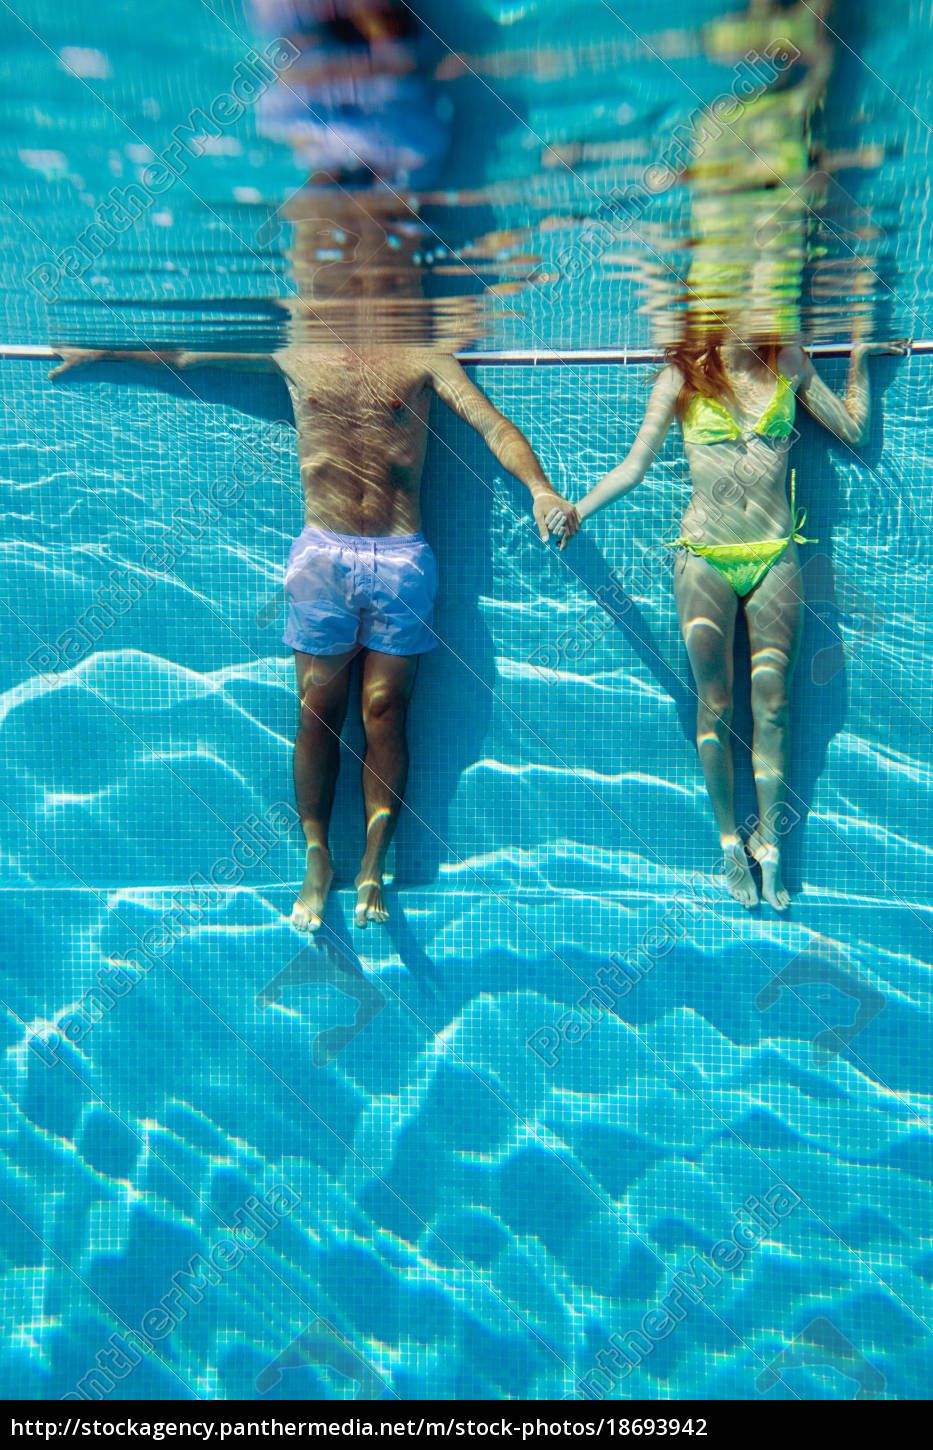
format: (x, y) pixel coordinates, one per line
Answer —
(775, 615)
(706, 608)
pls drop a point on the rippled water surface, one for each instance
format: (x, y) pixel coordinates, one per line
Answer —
(578, 175)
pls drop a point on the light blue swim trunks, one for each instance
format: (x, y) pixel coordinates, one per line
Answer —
(344, 591)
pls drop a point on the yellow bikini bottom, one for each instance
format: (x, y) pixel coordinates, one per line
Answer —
(745, 565)
(742, 565)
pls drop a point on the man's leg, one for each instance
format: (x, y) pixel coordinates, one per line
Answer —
(387, 686)
(323, 688)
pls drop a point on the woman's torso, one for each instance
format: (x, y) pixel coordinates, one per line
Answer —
(737, 451)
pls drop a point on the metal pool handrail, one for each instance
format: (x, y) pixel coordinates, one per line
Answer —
(622, 355)
(526, 357)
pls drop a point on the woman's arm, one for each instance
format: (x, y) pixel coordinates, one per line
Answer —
(659, 415)
(846, 417)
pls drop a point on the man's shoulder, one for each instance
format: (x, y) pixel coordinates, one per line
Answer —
(287, 358)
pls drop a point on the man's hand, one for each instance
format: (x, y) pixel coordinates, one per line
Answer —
(555, 515)
(75, 357)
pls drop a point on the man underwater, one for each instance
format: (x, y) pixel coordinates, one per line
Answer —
(361, 577)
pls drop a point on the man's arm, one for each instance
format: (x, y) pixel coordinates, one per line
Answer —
(176, 359)
(504, 440)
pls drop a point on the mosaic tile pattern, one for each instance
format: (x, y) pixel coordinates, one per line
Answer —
(581, 1070)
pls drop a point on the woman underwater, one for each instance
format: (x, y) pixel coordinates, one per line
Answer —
(738, 542)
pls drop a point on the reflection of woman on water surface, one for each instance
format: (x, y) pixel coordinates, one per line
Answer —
(738, 542)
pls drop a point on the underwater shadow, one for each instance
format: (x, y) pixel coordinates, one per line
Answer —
(452, 702)
(832, 599)
(263, 396)
(607, 589)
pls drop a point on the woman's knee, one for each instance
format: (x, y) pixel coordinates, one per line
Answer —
(715, 706)
(771, 701)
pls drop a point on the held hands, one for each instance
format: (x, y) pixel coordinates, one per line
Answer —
(554, 515)
(606, 491)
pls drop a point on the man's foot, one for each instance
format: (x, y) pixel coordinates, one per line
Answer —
(319, 873)
(768, 857)
(369, 903)
(739, 881)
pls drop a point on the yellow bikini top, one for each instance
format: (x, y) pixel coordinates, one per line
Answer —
(707, 420)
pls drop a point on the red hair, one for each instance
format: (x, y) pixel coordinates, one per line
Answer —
(703, 370)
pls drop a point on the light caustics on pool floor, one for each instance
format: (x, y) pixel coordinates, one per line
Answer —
(494, 1181)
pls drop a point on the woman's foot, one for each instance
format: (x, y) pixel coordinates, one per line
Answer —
(768, 857)
(319, 873)
(740, 883)
(369, 903)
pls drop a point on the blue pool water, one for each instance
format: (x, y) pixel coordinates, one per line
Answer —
(490, 1188)
(591, 1087)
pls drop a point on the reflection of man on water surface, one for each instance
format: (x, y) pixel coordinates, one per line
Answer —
(361, 577)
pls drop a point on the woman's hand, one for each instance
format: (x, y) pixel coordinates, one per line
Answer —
(556, 523)
(900, 347)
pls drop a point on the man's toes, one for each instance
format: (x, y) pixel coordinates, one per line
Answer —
(305, 920)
